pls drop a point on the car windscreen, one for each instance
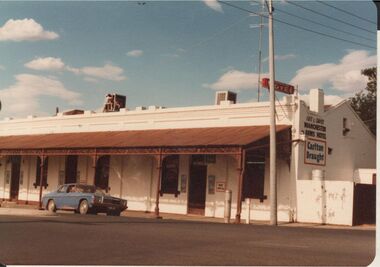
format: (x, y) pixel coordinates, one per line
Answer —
(86, 188)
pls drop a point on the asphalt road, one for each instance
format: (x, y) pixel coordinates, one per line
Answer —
(71, 239)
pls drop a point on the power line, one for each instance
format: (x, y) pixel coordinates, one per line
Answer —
(323, 25)
(296, 26)
(347, 12)
(327, 16)
(217, 33)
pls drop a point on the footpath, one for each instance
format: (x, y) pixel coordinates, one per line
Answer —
(33, 211)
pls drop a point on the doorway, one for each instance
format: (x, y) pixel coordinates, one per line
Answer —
(197, 189)
(102, 172)
(15, 177)
(71, 169)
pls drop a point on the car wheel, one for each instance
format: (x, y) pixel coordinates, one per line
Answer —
(83, 207)
(51, 206)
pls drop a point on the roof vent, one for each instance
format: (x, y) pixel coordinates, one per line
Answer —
(225, 96)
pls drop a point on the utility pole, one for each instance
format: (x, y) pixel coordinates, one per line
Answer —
(260, 44)
(272, 130)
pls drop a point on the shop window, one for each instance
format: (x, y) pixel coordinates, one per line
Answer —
(44, 174)
(253, 183)
(169, 180)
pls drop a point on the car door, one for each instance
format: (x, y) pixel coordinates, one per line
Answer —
(59, 197)
(71, 199)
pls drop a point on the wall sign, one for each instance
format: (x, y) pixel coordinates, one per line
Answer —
(211, 184)
(183, 184)
(7, 176)
(220, 186)
(315, 127)
(315, 152)
(21, 181)
(61, 177)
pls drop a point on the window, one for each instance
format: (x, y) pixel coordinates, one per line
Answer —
(169, 181)
(38, 173)
(253, 183)
(345, 127)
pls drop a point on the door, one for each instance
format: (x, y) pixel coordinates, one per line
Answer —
(364, 211)
(197, 189)
(15, 177)
(71, 169)
(102, 172)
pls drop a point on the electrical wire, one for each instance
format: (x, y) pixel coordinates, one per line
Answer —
(296, 26)
(217, 33)
(345, 11)
(327, 16)
(323, 25)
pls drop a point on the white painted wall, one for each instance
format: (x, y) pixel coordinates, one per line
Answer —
(329, 202)
(364, 176)
(245, 114)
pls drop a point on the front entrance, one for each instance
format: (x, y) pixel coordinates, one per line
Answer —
(15, 176)
(197, 189)
(71, 169)
(102, 173)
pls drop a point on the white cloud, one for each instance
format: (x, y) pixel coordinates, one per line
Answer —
(135, 53)
(281, 57)
(90, 73)
(23, 97)
(344, 76)
(235, 80)
(25, 30)
(213, 4)
(47, 63)
(2, 67)
(107, 72)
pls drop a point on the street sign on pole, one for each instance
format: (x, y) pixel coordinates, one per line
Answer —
(278, 86)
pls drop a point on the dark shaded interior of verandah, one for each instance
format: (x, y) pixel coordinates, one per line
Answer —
(247, 145)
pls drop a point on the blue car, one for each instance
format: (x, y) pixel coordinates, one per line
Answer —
(83, 199)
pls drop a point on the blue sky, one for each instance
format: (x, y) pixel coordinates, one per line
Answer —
(166, 53)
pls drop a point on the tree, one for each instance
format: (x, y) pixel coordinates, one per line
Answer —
(364, 102)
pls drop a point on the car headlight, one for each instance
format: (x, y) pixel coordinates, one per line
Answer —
(96, 199)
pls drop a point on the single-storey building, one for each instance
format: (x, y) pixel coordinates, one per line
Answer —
(182, 160)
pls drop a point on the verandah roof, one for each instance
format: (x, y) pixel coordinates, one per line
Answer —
(172, 138)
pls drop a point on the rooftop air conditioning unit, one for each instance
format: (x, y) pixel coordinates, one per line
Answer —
(225, 96)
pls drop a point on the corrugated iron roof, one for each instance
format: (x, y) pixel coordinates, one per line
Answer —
(217, 136)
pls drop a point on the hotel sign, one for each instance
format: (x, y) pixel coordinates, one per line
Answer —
(315, 145)
(279, 86)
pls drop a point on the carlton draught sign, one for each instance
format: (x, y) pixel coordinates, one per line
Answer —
(315, 152)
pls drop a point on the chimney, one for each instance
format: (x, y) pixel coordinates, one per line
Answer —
(317, 100)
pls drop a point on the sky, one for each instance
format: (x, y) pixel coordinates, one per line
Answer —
(70, 54)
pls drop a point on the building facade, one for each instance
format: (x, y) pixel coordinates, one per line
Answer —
(182, 160)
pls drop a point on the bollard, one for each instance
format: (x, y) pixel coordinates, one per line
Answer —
(248, 207)
(227, 206)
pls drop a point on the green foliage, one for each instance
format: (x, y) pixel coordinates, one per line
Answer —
(364, 102)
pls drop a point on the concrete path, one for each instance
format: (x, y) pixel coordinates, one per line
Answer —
(28, 210)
